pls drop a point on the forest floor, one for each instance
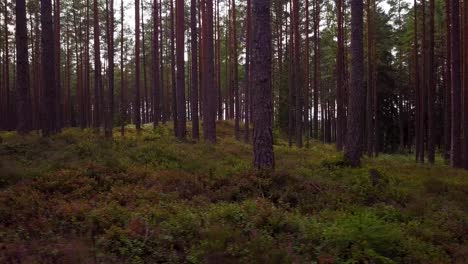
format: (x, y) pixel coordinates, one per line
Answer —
(78, 198)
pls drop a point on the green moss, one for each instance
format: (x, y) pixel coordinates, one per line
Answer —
(150, 198)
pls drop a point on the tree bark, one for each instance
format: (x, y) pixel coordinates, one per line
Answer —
(156, 67)
(48, 70)
(448, 85)
(465, 83)
(296, 73)
(357, 93)
(180, 92)
(98, 95)
(262, 93)
(122, 79)
(137, 107)
(23, 99)
(110, 51)
(209, 108)
(340, 79)
(456, 158)
(194, 83)
(248, 45)
(431, 88)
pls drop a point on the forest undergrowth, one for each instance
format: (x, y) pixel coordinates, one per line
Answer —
(79, 198)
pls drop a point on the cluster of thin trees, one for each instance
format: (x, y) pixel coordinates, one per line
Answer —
(252, 62)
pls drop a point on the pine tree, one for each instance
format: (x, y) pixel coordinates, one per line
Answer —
(48, 70)
(180, 91)
(23, 101)
(456, 153)
(194, 73)
(357, 93)
(262, 93)
(137, 107)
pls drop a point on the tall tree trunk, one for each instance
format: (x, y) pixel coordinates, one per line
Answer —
(456, 155)
(209, 108)
(145, 107)
(156, 67)
(122, 80)
(6, 66)
(316, 66)
(262, 93)
(58, 89)
(422, 91)
(98, 95)
(173, 70)
(86, 114)
(340, 79)
(218, 67)
(370, 82)
(137, 107)
(307, 74)
(296, 73)
(23, 99)
(431, 88)
(448, 84)
(180, 91)
(357, 93)
(234, 78)
(465, 83)
(417, 87)
(48, 70)
(248, 46)
(194, 83)
(110, 51)
(162, 92)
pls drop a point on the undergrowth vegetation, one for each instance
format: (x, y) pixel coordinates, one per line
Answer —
(77, 198)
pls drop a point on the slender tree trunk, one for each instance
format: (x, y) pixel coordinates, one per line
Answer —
(137, 107)
(173, 70)
(194, 83)
(145, 86)
(307, 74)
(122, 79)
(97, 70)
(296, 73)
(417, 85)
(23, 99)
(465, 83)
(156, 67)
(431, 88)
(48, 70)
(456, 155)
(370, 82)
(448, 84)
(357, 94)
(86, 114)
(6, 67)
(162, 92)
(316, 66)
(58, 90)
(180, 91)
(340, 79)
(262, 93)
(234, 78)
(110, 51)
(248, 73)
(209, 115)
(291, 90)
